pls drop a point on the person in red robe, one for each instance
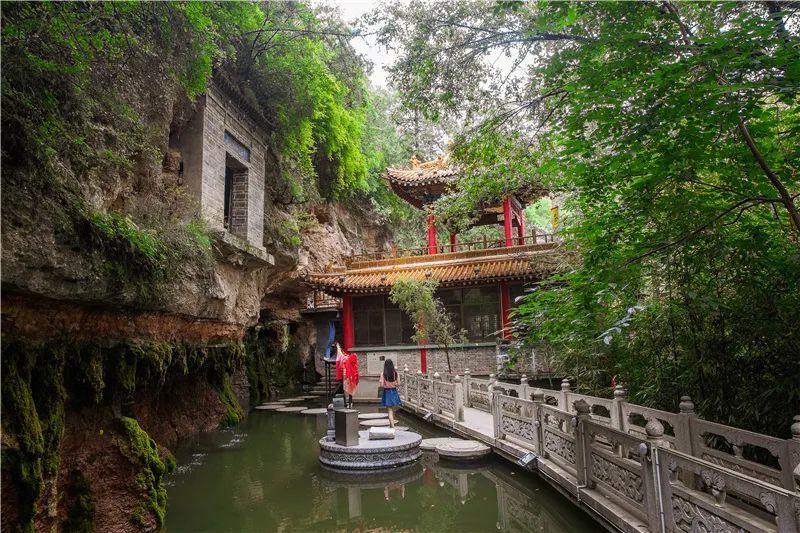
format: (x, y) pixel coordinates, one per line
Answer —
(349, 371)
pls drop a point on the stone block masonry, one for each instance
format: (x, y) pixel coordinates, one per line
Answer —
(222, 137)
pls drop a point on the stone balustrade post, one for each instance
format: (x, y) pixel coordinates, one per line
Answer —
(458, 398)
(466, 388)
(493, 406)
(435, 390)
(418, 399)
(563, 397)
(648, 454)
(791, 468)
(523, 382)
(538, 401)
(684, 434)
(405, 382)
(582, 443)
(617, 418)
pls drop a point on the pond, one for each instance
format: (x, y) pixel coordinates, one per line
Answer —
(264, 475)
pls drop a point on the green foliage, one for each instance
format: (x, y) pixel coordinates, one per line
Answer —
(671, 129)
(432, 323)
(137, 446)
(272, 361)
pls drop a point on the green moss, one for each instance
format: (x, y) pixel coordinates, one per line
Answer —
(39, 377)
(80, 517)
(141, 450)
(272, 362)
(233, 411)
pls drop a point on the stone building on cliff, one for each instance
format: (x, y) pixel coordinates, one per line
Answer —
(223, 152)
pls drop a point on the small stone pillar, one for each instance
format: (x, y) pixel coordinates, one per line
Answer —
(793, 466)
(582, 443)
(655, 439)
(405, 383)
(330, 435)
(684, 433)
(346, 427)
(617, 417)
(538, 401)
(458, 396)
(466, 387)
(437, 378)
(563, 401)
(523, 382)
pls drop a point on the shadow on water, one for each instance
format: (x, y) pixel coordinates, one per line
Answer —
(264, 475)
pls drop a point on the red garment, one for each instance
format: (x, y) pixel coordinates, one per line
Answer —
(350, 372)
(340, 358)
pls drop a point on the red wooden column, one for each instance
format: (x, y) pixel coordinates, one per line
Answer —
(423, 356)
(453, 242)
(431, 233)
(521, 232)
(507, 214)
(347, 322)
(505, 309)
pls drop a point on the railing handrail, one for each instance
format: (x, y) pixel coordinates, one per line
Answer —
(623, 465)
(533, 237)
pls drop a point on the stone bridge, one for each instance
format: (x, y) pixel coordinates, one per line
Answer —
(633, 468)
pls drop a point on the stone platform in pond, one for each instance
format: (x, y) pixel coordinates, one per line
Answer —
(371, 455)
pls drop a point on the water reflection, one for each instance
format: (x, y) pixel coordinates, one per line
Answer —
(265, 476)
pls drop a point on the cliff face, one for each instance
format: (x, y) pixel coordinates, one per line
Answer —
(113, 351)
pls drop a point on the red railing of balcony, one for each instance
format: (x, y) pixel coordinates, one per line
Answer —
(533, 237)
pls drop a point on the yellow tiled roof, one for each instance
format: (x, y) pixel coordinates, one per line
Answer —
(435, 171)
(530, 262)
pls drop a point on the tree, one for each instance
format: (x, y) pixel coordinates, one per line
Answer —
(672, 130)
(432, 323)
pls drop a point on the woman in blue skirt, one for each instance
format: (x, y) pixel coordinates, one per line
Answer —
(390, 379)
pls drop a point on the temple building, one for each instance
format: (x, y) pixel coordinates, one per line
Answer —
(478, 283)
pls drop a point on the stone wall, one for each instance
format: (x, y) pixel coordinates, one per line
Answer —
(205, 148)
(480, 359)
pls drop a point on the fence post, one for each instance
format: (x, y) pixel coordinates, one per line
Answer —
(405, 382)
(458, 398)
(523, 382)
(466, 388)
(419, 388)
(617, 417)
(684, 435)
(582, 443)
(493, 406)
(564, 395)
(435, 390)
(538, 400)
(791, 468)
(648, 455)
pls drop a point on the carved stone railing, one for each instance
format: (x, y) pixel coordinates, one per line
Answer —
(558, 437)
(516, 421)
(433, 395)
(727, 501)
(449, 398)
(615, 467)
(672, 471)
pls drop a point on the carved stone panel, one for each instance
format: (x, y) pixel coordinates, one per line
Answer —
(560, 446)
(623, 481)
(692, 518)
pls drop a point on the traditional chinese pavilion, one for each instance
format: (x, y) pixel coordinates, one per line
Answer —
(478, 283)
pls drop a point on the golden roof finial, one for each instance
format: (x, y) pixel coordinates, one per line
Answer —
(414, 161)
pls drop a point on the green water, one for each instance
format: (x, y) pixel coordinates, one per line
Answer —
(264, 475)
